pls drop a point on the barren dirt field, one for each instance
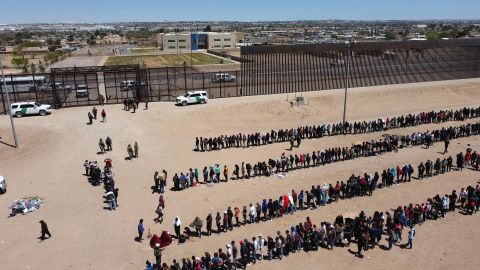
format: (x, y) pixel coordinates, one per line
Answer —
(49, 164)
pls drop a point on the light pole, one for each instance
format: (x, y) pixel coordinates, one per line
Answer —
(346, 82)
(8, 104)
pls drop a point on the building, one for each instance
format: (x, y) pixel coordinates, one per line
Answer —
(177, 42)
(197, 41)
(218, 41)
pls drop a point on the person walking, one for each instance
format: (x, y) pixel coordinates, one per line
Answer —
(104, 116)
(446, 144)
(140, 229)
(146, 104)
(176, 224)
(135, 148)
(44, 230)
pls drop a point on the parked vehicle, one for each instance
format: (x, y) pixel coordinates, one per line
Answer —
(195, 97)
(58, 86)
(223, 77)
(21, 109)
(82, 91)
(3, 185)
(337, 62)
(128, 85)
(22, 83)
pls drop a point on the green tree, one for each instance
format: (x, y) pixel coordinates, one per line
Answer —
(208, 28)
(19, 62)
(41, 68)
(432, 36)
(391, 35)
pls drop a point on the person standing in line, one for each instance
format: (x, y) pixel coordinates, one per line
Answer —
(104, 116)
(135, 148)
(140, 229)
(209, 224)
(94, 112)
(86, 165)
(411, 235)
(115, 193)
(44, 230)
(157, 252)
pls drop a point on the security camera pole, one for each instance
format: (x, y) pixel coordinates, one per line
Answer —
(8, 104)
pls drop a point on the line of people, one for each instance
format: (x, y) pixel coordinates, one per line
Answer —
(96, 176)
(284, 164)
(320, 195)
(364, 231)
(318, 131)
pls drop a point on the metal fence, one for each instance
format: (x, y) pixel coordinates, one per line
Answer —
(65, 87)
(283, 69)
(264, 70)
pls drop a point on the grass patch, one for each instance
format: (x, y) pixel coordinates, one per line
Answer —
(165, 60)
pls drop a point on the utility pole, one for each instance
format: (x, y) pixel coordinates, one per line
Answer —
(346, 81)
(8, 104)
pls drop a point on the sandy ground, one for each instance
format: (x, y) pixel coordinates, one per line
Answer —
(85, 236)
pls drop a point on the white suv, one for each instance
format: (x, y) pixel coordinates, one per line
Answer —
(193, 98)
(30, 108)
(223, 77)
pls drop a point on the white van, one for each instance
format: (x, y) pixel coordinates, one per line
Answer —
(82, 91)
(223, 77)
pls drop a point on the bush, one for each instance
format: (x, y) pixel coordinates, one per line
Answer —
(19, 62)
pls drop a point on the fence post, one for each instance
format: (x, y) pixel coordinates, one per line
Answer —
(168, 85)
(236, 83)
(220, 85)
(185, 76)
(35, 87)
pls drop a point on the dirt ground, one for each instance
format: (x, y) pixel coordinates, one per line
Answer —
(86, 236)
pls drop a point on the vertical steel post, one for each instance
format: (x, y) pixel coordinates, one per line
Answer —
(8, 104)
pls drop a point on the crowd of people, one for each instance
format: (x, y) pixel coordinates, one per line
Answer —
(366, 232)
(293, 135)
(93, 116)
(133, 104)
(321, 195)
(97, 176)
(283, 164)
